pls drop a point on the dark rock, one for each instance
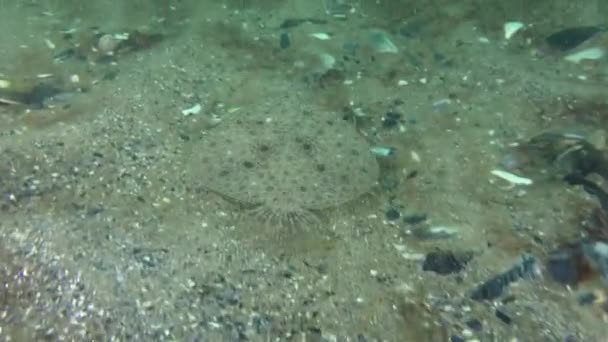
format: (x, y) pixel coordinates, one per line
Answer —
(503, 316)
(392, 214)
(391, 119)
(415, 219)
(493, 288)
(294, 22)
(474, 324)
(571, 37)
(587, 298)
(563, 266)
(284, 41)
(446, 262)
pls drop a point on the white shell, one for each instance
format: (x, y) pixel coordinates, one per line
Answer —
(511, 28)
(192, 110)
(320, 36)
(591, 53)
(511, 178)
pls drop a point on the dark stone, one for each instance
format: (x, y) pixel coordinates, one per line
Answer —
(503, 316)
(587, 298)
(494, 287)
(563, 266)
(412, 174)
(474, 324)
(446, 262)
(415, 219)
(571, 37)
(391, 119)
(289, 23)
(392, 214)
(293, 22)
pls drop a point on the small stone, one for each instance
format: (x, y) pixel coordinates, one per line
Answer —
(474, 324)
(284, 41)
(392, 214)
(563, 266)
(415, 219)
(391, 119)
(503, 316)
(446, 262)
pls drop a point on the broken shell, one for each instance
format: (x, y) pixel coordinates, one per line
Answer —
(511, 28)
(321, 36)
(382, 151)
(8, 101)
(192, 110)
(587, 54)
(381, 42)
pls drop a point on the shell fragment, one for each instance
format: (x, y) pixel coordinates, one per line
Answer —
(511, 178)
(587, 54)
(321, 36)
(192, 110)
(511, 28)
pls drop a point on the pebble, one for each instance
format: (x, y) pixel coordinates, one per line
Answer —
(562, 266)
(446, 262)
(392, 214)
(415, 219)
(391, 119)
(436, 232)
(503, 316)
(474, 324)
(284, 41)
(571, 37)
